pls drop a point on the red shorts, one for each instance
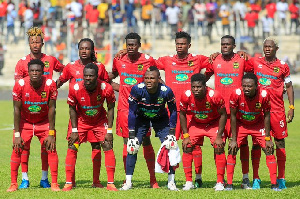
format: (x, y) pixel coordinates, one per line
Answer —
(197, 132)
(278, 125)
(122, 124)
(178, 132)
(257, 131)
(90, 133)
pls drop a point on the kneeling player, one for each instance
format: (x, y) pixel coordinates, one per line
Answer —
(34, 114)
(209, 119)
(147, 105)
(250, 115)
(89, 123)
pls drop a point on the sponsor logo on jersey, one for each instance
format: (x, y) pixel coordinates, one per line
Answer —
(207, 105)
(248, 117)
(140, 67)
(264, 81)
(266, 76)
(130, 81)
(91, 112)
(34, 108)
(227, 74)
(43, 94)
(34, 103)
(182, 77)
(257, 105)
(47, 65)
(226, 81)
(190, 63)
(236, 65)
(201, 116)
(150, 115)
(160, 100)
(182, 71)
(276, 69)
(98, 97)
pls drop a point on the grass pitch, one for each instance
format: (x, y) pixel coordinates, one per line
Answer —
(141, 176)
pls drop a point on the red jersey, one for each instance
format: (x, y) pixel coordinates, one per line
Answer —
(204, 110)
(294, 11)
(130, 74)
(250, 111)
(271, 9)
(74, 72)
(51, 63)
(34, 101)
(228, 75)
(271, 76)
(178, 72)
(89, 106)
(251, 19)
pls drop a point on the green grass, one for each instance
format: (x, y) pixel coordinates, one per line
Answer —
(141, 176)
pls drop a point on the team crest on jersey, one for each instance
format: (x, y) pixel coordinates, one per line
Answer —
(27, 95)
(219, 66)
(123, 65)
(44, 94)
(82, 99)
(259, 66)
(207, 105)
(98, 97)
(173, 63)
(160, 100)
(47, 64)
(276, 70)
(140, 67)
(190, 63)
(257, 105)
(236, 65)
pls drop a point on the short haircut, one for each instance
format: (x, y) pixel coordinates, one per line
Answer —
(36, 61)
(251, 76)
(183, 34)
(272, 39)
(35, 31)
(153, 68)
(229, 37)
(93, 56)
(92, 66)
(133, 35)
(198, 77)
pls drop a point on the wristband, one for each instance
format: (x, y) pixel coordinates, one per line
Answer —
(109, 130)
(51, 132)
(74, 130)
(17, 134)
(267, 138)
(186, 135)
(292, 107)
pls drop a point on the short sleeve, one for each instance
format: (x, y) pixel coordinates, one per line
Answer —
(249, 65)
(204, 61)
(266, 103)
(286, 71)
(109, 94)
(19, 71)
(53, 91)
(72, 97)
(103, 75)
(65, 76)
(234, 98)
(218, 100)
(160, 63)
(184, 100)
(58, 67)
(17, 90)
(115, 68)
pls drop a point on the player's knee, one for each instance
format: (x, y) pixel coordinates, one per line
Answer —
(146, 141)
(106, 146)
(255, 147)
(280, 143)
(95, 145)
(187, 150)
(219, 151)
(268, 152)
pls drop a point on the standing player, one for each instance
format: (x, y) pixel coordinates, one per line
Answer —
(131, 69)
(35, 40)
(147, 107)
(208, 119)
(273, 74)
(90, 123)
(34, 100)
(250, 115)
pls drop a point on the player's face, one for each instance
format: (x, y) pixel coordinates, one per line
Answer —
(35, 44)
(249, 87)
(151, 80)
(132, 46)
(85, 50)
(270, 49)
(182, 46)
(227, 46)
(35, 72)
(90, 79)
(198, 89)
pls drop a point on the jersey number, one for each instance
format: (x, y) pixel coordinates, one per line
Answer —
(281, 123)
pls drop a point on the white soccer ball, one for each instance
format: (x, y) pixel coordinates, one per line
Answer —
(171, 142)
(133, 146)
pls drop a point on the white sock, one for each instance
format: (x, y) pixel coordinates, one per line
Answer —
(198, 176)
(245, 176)
(189, 183)
(171, 178)
(44, 175)
(24, 176)
(128, 179)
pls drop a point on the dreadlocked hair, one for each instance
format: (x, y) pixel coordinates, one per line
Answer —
(35, 31)
(93, 55)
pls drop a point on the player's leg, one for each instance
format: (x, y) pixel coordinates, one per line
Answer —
(231, 161)
(197, 158)
(44, 183)
(187, 160)
(255, 157)
(281, 159)
(96, 159)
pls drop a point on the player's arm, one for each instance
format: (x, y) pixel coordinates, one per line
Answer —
(269, 143)
(110, 120)
(58, 67)
(50, 140)
(290, 94)
(232, 146)
(64, 77)
(222, 121)
(120, 54)
(18, 141)
(112, 75)
(74, 122)
(183, 123)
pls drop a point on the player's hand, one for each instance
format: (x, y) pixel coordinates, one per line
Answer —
(18, 144)
(120, 54)
(232, 147)
(219, 142)
(73, 138)
(212, 57)
(109, 139)
(284, 91)
(243, 55)
(186, 142)
(290, 115)
(269, 147)
(49, 143)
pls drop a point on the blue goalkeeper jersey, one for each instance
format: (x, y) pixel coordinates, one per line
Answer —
(151, 106)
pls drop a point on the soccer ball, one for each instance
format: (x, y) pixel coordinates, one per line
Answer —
(133, 146)
(171, 142)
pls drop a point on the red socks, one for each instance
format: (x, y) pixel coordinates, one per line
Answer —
(15, 161)
(149, 156)
(231, 160)
(244, 157)
(197, 157)
(220, 163)
(281, 159)
(70, 164)
(110, 164)
(255, 156)
(272, 165)
(53, 163)
(187, 159)
(44, 158)
(96, 158)
(24, 160)
(124, 156)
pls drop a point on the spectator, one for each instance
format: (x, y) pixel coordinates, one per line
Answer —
(185, 11)
(271, 10)
(2, 52)
(60, 50)
(294, 10)
(282, 8)
(191, 19)
(131, 20)
(199, 15)
(103, 16)
(210, 18)
(3, 7)
(146, 14)
(22, 9)
(224, 14)
(47, 30)
(172, 14)
(267, 24)
(76, 7)
(11, 16)
(118, 26)
(28, 18)
(251, 22)
(87, 9)
(93, 21)
(240, 10)
(213, 7)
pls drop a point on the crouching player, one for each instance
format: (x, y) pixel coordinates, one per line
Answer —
(209, 119)
(147, 105)
(250, 115)
(34, 99)
(89, 123)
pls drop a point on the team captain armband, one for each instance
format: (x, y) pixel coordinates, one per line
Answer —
(51, 132)
(288, 79)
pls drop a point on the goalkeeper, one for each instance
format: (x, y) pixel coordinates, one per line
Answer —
(147, 105)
